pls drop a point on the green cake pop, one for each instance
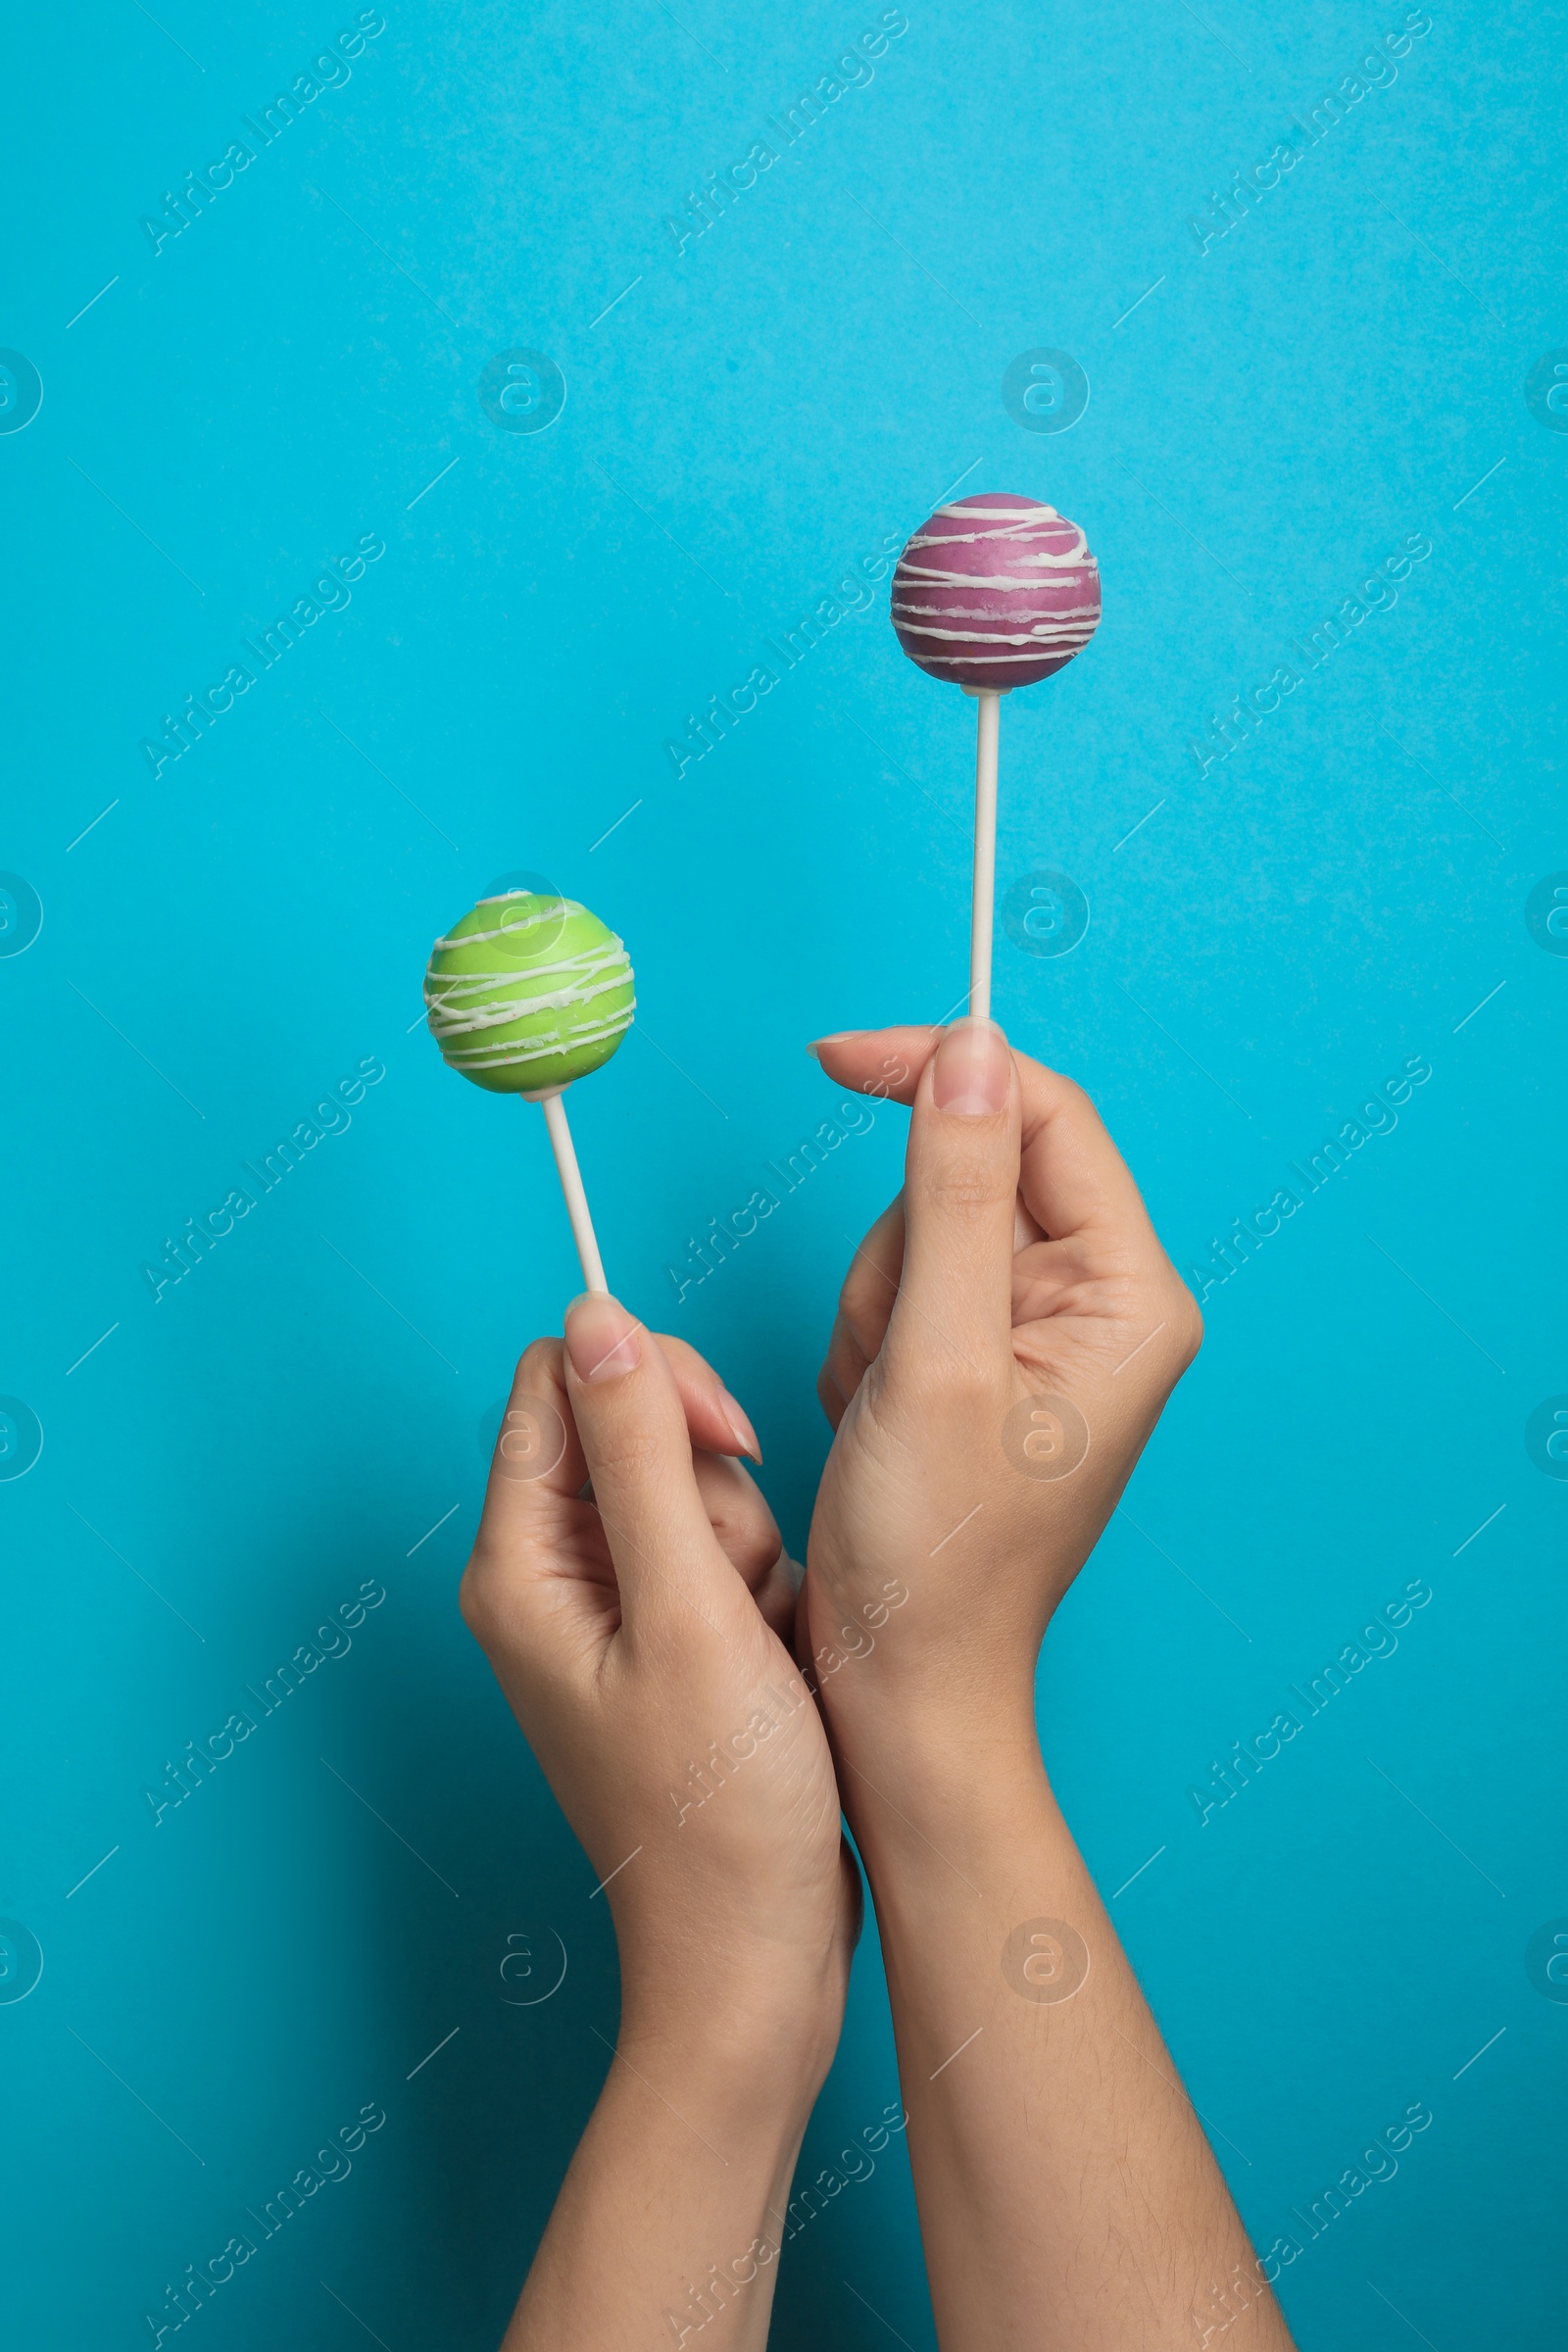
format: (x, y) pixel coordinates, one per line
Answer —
(527, 994)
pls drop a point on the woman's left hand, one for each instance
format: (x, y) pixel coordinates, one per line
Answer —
(640, 1635)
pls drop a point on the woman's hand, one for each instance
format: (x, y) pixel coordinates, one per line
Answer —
(635, 1626)
(1005, 1342)
(639, 1632)
(1007, 1338)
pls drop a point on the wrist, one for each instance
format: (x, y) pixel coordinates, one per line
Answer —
(941, 1747)
(920, 1685)
(948, 1809)
(762, 2024)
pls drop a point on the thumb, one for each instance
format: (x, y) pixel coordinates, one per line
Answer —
(632, 1426)
(960, 1186)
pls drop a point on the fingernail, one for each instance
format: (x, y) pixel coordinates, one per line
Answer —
(601, 1340)
(744, 1433)
(970, 1073)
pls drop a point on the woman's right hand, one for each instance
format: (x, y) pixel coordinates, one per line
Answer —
(1007, 1338)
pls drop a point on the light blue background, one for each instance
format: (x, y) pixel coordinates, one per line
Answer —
(228, 941)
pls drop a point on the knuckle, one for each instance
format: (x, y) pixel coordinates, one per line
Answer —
(738, 1516)
(846, 1363)
(967, 1185)
(866, 1289)
(750, 1542)
(1187, 1318)
(476, 1597)
(629, 1456)
(1078, 1107)
(541, 1358)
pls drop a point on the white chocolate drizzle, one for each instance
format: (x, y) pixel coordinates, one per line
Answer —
(1033, 564)
(462, 1005)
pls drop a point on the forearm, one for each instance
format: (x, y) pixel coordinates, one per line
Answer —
(1067, 2190)
(671, 2213)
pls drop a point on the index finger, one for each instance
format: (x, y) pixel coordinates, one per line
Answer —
(1071, 1175)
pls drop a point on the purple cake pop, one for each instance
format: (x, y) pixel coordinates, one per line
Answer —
(995, 591)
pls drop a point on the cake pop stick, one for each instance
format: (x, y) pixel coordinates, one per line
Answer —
(993, 592)
(566, 1168)
(525, 995)
(987, 729)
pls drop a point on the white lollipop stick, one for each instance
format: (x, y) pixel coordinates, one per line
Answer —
(984, 850)
(566, 1168)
